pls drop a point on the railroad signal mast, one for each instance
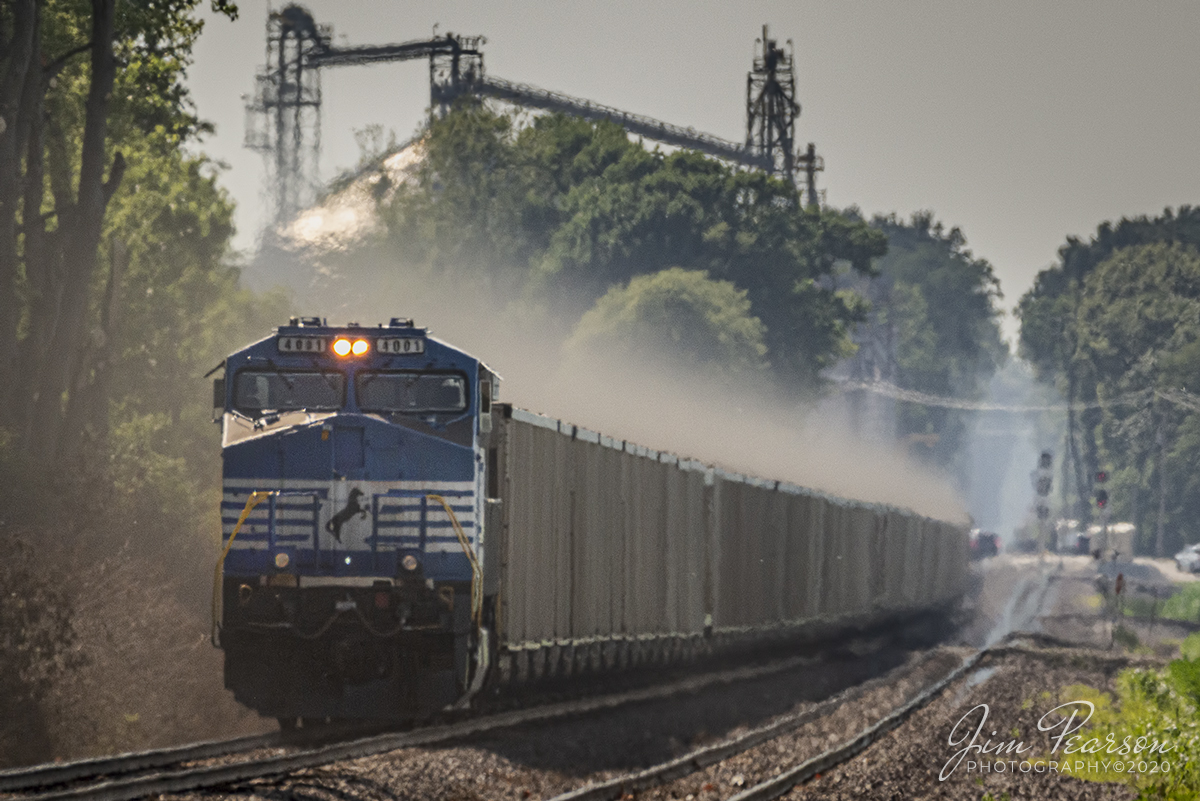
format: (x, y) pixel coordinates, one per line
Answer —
(1102, 493)
(1043, 482)
(1102, 501)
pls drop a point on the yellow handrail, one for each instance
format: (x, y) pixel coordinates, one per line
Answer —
(254, 500)
(476, 571)
(259, 496)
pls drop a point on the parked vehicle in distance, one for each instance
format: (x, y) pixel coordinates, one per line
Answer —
(1188, 560)
(984, 544)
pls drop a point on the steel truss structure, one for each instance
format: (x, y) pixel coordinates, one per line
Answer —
(283, 115)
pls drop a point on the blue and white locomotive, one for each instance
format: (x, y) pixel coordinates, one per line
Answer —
(350, 583)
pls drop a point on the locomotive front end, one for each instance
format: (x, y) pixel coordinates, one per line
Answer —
(351, 579)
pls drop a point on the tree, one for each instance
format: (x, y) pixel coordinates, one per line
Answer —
(933, 325)
(69, 124)
(702, 322)
(1137, 327)
(565, 209)
(1049, 340)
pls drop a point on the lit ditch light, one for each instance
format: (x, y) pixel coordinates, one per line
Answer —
(344, 347)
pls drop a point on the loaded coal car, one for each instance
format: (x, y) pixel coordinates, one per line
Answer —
(395, 539)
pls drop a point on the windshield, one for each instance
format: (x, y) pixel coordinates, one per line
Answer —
(412, 392)
(256, 391)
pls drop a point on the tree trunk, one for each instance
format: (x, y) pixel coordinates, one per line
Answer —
(21, 69)
(1136, 514)
(36, 246)
(1160, 439)
(67, 340)
(87, 410)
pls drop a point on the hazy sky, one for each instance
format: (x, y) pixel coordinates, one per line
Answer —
(1019, 121)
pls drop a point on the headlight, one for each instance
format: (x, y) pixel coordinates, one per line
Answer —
(359, 347)
(342, 347)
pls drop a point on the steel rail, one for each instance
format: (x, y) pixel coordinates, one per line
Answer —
(777, 786)
(781, 784)
(184, 779)
(64, 772)
(701, 758)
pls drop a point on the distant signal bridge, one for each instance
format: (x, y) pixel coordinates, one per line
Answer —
(284, 113)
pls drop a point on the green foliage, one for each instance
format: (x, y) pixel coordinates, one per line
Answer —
(1160, 706)
(160, 305)
(933, 325)
(564, 209)
(1075, 354)
(177, 302)
(1125, 638)
(153, 45)
(163, 304)
(707, 323)
(1190, 647)
(1138, 326)
(945, 305)
(1185, 605)
(1139, 305)
(1047, 340)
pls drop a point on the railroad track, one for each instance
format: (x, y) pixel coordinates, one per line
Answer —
(65, 773)
(171, 770)
(1023, 610)
(778, 785)
(131, 776)
(233, 764)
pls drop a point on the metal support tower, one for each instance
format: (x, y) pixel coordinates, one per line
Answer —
(284, 115)
(771, 112)
(812, 164)
(455, 70)
(283, 118)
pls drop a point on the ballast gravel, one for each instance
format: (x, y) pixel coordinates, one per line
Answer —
(540, 762)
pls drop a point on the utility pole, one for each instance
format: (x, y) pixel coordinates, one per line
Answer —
(1160, 439)
(1043, 482)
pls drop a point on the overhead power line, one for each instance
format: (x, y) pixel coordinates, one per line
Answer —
(1178, 397)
